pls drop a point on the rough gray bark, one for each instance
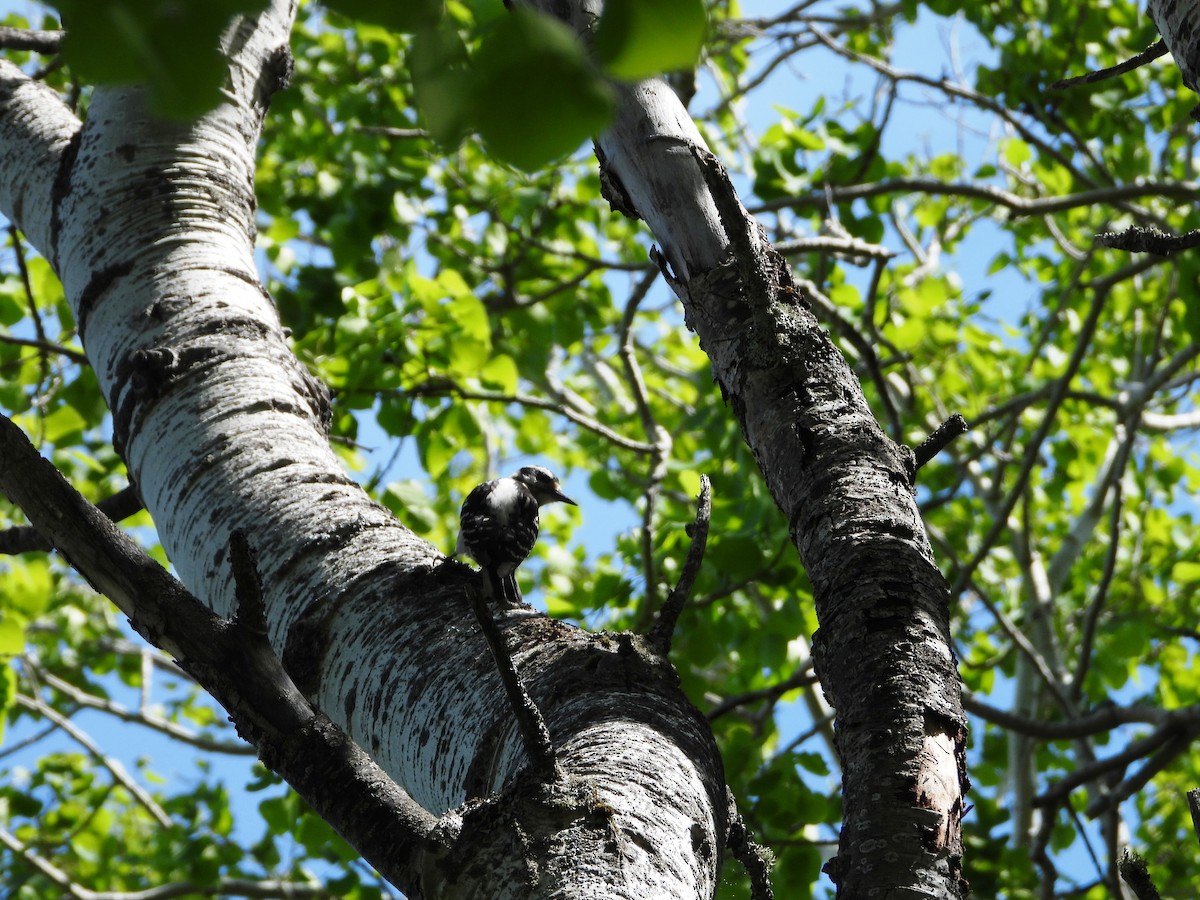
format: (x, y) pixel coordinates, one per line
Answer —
(1178, 22)
(883, 649)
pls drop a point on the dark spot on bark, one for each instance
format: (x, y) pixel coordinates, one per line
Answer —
(100, 282)
(277, 72)
(62, 187)
(127, 152)
(348, 703)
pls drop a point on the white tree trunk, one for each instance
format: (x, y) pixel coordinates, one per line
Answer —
(150, 226)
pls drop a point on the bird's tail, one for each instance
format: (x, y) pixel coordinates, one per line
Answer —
(504, 589)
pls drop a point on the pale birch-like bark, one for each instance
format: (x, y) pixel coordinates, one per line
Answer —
(150, 227)
(1178, 21)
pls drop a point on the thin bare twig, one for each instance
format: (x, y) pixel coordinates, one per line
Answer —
(165, 726)
(27, 539)
(38, 327)
(1151, 53)
(1032, 451)
(940, 439)
(668, 616)
(659, 437)
(224, 887)
(534, 733)
(438, 387)
(755, 858)
(122, 777)
(803, 677)
(74, 356)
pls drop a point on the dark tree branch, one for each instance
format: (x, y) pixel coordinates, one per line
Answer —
(657, 436)
(1091, 621)
(29, 39)
(755, 858)
(534, 733)
(27, 539)
(940, 439)
(1193, 800)
(1171, 747)
(866, 351)
(443, 386)
(1104, 719)
(1148, 239)
(1176, 729)
(47, 347)
(1151, 53)
(804, 676)
(1100, 288)
(668, 616)
(1014, 203)
(1136, 874)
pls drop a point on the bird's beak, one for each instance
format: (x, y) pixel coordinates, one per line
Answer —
(560, 496)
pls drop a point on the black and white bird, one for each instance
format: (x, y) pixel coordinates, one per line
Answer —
(499, 522)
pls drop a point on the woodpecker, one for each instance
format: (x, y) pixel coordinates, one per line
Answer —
(499, 522)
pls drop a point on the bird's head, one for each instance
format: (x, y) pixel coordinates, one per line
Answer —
(543, 484)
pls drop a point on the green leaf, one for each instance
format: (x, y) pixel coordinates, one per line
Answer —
(169, 46)
(12, 636)
(410, 502)
(637, 39)
(442, 85)
(501, 374)
(1186, 573)
(398, 15)
(536, 96)
(65, 422)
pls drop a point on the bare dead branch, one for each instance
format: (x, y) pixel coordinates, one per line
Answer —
(47, 347)
(441, 387)
(803, 677)
(534, 733)
(115, 768)
(30, 39)
(117, 711)
(1101, 720)
(27, 539)
(940, 439)
(668, 616)
(755, 858)
(1136, 874)
(1015, 203)
(1151, 53)
(656, 435)
(1148, 239)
